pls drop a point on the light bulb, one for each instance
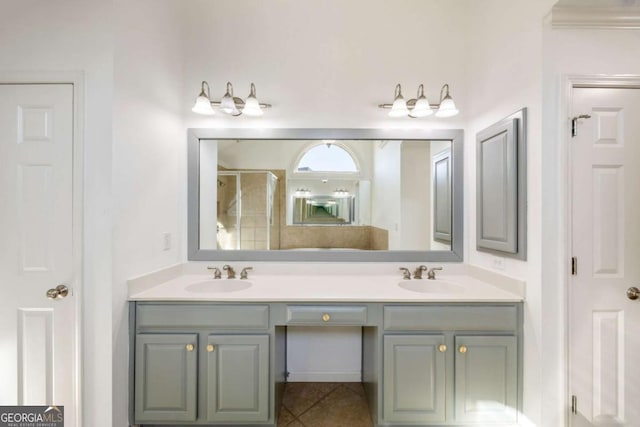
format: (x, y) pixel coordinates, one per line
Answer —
(399, 107)
(447, 108)
(203, 106)
(422, 108)
(251, 105)
(203, 103)
(227, 104)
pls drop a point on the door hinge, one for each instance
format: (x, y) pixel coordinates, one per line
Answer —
(574, 266)
(574, 404)
(574, 123)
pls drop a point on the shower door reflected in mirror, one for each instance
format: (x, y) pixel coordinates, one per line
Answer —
(245, 206)
(375, 195)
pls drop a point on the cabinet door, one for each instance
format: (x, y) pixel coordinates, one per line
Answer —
(166, 377)
(414, 378)
(238, 378)
(486, 379)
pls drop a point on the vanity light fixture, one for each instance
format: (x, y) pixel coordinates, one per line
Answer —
(229, 104)
(340, 192)
(419, 106)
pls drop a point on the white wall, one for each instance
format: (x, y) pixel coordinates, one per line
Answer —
(149, 159)
(504, 72)
(324, 354)
(38, 35)
(415, 195)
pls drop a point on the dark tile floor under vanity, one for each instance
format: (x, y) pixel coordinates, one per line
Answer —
(324, 405)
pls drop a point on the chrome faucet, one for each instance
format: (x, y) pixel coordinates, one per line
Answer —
(431, 274)
(418, 273)
(217, 274)
(406, 274)
(244, 274)
(231, 273)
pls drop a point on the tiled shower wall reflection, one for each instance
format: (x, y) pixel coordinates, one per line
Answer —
(256, 205)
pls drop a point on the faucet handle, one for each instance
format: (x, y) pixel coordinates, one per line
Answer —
(244, 274)
(217, 274)
(406, 274)
(231, 273)
(431, 274)
(418, 273)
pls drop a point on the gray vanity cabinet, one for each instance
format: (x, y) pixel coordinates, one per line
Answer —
(202, 364)
(451, 364)
(486, 379)
(166, 377)
(427, 364)
(237, 378)
(414, 378)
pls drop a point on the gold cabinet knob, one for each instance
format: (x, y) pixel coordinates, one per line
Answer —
(326, 317)
(463, 349)
(190, 347)
(210, 348)
(442, 348)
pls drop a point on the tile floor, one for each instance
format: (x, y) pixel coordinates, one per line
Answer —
(324, 405)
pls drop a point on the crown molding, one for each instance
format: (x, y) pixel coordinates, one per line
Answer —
(621, 18)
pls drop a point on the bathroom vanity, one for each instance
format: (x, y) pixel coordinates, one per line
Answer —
(449, 354)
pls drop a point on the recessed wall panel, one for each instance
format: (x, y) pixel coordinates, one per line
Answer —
(608, 366)
(608, 126)
(494, 177)
(35, 206)
(35, 124)
(608, 221)
(35, 356)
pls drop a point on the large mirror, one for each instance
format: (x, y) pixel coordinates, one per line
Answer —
(325, 195)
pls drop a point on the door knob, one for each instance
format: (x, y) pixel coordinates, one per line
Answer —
(60, 291)
(633, 293)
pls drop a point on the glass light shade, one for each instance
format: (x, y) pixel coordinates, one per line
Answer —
(422, 108)
(228, 105)
(399, 108)
(203, 106)
(252, 107)
(447, 108)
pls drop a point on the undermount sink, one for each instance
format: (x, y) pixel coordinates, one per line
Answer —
(218, 285)
(436, 286)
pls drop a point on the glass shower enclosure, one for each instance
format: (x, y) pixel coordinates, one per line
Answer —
(245, 207)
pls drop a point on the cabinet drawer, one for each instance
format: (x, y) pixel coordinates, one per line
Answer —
(326, 315)
(468, 318)
(187, 316)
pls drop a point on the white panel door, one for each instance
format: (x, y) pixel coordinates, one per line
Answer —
(38, 335)
(604, 328)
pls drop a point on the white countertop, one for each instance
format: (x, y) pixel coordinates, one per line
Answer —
(470, 284)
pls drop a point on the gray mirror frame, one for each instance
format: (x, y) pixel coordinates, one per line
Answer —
(194, 136)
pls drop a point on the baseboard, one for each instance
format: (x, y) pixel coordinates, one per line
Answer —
(325, 377)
